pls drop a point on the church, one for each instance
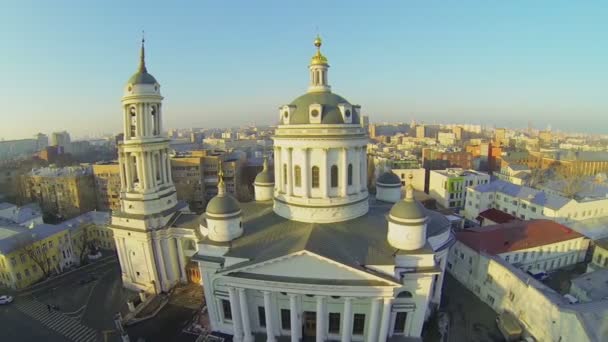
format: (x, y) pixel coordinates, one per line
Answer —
(315, 257)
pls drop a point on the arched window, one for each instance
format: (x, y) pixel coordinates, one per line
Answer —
(315, 176)
(350, 174)
(404, 294)
(334, 176)
(285, 174)
(133, 121)
(297, 175)
(154, 125)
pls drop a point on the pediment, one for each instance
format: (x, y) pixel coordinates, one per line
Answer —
(312, 266)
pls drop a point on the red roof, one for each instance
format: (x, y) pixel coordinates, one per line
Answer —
(515, 235)
(497, 216)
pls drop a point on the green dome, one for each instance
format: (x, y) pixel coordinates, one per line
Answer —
(142, 77)
(264, 177)
(331, 113)
(389, 178)
(408, 209)
(223, 205)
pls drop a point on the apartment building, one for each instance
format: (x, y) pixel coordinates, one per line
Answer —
(187, 173)
(64, 192)
(107, 186)
(448, 187)
(527, 203)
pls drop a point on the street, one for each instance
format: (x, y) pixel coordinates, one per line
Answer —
(84, 312)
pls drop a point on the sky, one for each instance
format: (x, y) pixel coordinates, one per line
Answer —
(63, 64)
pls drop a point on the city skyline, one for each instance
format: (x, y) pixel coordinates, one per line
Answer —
(401, 61)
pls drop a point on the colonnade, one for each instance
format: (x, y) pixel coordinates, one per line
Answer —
(377, 329)
(285, 171)
(147, 120)
(150, 168)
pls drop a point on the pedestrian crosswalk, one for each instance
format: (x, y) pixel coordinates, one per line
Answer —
(69, 327)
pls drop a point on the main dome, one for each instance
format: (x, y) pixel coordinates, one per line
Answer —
(330, 111)
(142, 77)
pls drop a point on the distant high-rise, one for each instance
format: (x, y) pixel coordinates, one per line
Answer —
(42, 141)
(372, 131)
(61, 139)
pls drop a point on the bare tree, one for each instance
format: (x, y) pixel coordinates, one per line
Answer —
(537, 176)
(40, 254)
(84, 245)
(571, 182)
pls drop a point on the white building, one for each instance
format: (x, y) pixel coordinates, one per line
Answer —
(527, 203)
(448, 187)
(149, 244)
(491, 261)
(537, 244)
(27, 216)
(318, 261)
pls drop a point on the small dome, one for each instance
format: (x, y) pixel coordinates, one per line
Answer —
(389, 178)
(408, 209)
(331, 113)
(223, 205)
(142, 77)
(265, 176)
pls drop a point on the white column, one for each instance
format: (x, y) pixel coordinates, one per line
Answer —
(344, 172)
(321, 329)
(347, 320)
(269, 319)
(293, 310)
(236, 315)
(324, 175)
(247, 336)
(306, 172)
(278, 170)
(125, 121)
(128, 171)
(363, 166)
(121, 166)
(161, 262)
(386, 318)
(168, 163)
(374, 320)
(140, 121)
(357, 170)
(140, 173)
(150, 170)
(181, 259)
(289, 171)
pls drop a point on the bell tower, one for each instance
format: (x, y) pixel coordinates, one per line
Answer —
(145, 170)
(150, 254)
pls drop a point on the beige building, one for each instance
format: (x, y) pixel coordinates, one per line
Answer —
(65, 192)
(187, 173)
(107, 186)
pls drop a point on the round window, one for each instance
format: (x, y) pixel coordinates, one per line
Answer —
(314, 113)
(285, 115)
(347, 113)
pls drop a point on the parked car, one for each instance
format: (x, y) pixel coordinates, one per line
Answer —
(87, 279)
(5, 299)
(538, 274)
(509, 326)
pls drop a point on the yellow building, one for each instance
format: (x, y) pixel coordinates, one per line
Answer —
(64, 192)
(107, 186)
(30, 255)
(600, 255)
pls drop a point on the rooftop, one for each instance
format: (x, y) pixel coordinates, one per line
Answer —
(497, 216)
(516, 235)
(357, 242)
(523, 192)
(68, 171)
(594, 284)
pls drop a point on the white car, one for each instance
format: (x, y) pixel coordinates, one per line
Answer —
(5, 299)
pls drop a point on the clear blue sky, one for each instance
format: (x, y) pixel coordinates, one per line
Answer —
(63, 64)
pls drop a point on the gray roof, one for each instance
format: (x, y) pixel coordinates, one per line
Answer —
(222, 205)
(331, 113)
(408, 209)
(142, 77)
(266, 176)
(388, 177)
(594, 284)
(523, 192)
(356, 243)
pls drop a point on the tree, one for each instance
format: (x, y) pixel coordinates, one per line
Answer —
(571, 182)
(40, 254)
(84, 244)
